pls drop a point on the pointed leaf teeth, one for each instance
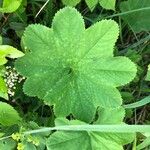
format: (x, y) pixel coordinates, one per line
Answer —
(29, 33)
(100, 39)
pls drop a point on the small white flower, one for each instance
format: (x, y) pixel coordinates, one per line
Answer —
(11, 79)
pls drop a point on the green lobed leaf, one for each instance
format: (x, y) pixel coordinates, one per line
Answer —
(107, 4)
(73, 68)
(8, 115)
(138, 21)
(148, 74)
(90, 140)
(10, 6)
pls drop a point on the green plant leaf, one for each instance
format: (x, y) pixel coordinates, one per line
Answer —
(91, 3)
(148, 74)
(70, 2)
(144, 144)
(8, 51)
(108, 4)
(117, 115)
(10, 6)
(3, 89)
(8, 115)
(89, 140)
(140, 103)
(7, 144)
(138, 21)
(74, 68)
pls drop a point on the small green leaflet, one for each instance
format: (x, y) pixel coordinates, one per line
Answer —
(10, 6)
(138, 21)
(107, 4)
(83, 140)
(70, 2)
(8, 115)
(146, 142)
(73, 68)
(148, 74)
(11, 52)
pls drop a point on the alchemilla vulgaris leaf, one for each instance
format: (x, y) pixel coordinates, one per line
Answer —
(91, 140)
(73, 68)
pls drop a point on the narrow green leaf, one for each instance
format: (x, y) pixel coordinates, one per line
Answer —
(144, 144)
(96, 128)
(3, 89)
(140, 103)
(148, 74)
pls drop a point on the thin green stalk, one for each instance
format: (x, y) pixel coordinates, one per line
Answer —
(91, 128)
(128, 12)
(95, 128)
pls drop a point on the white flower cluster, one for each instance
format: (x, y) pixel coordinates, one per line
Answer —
(11, 79)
